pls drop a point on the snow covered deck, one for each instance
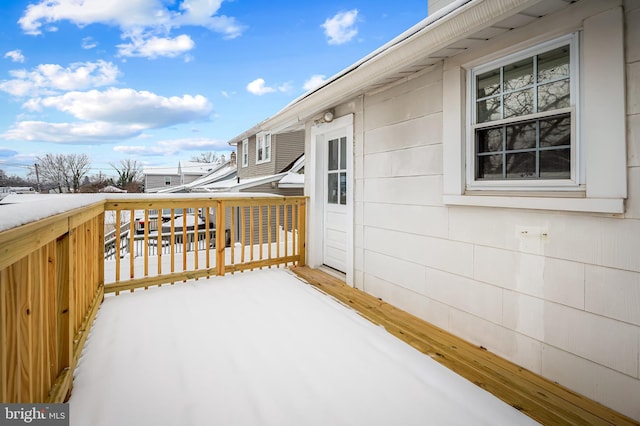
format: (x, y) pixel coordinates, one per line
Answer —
(261, 348)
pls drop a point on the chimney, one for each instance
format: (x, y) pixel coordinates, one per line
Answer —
(232, 159)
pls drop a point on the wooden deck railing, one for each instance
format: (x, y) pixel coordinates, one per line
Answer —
(53, 271)
(51, 284)
(255, 233)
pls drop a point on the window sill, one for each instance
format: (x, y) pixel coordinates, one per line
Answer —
(593, 205)
(264, 161)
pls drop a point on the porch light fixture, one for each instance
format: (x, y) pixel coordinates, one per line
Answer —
(327, 117)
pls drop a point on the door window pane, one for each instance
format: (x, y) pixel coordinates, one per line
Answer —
(343, 153)
(332, 188)
(343, 188)
(333, 154)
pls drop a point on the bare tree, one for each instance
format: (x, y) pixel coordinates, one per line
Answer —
(65, 171)
(206, 157)
(77, 166)
(129, 174)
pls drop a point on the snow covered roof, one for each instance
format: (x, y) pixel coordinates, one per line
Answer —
(292, 180)
(196, 168)
(165, 171)
(113, 189)
(232, 185)
(221, 172)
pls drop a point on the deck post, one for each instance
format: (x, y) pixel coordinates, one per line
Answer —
(220, 234)
(302, 232)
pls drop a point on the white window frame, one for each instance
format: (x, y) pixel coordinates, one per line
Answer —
(263, 142)
(245, 153)
(603, 166)
(574, 183)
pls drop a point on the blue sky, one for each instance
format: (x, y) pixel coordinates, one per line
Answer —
(159, 81)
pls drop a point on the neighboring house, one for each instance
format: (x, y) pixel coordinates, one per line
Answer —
(264, 158)
(157, 178)
(482, 171)
(222, 172)
(287, 183)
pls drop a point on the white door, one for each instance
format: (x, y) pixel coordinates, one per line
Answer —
(336, 199)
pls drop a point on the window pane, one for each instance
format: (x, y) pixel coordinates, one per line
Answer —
(343, 188)
(343, 153)
(259, 154)
(554, 64)
(488, 110)
(555, 164)
(518, 103)
(521, 136)
(488, 84)
(490, 167)
(521, 165)
(489, 140)
(332, 188)
(333, 154)
(518, 75)
(555, 131)
(553, 95)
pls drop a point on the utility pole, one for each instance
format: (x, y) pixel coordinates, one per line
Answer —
(37, 176)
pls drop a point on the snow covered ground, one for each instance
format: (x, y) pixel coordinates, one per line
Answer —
(261, 348)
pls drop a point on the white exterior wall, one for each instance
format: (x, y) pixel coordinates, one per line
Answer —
(556, 292)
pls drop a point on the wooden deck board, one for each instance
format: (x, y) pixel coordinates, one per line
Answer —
(537, 397)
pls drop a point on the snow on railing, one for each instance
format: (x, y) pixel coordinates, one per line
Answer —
(54, 262)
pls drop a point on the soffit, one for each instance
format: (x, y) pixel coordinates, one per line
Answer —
(518, 20)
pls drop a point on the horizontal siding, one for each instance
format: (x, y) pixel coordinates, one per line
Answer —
(552, 291)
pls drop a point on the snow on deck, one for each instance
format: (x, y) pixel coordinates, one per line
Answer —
(261, 348)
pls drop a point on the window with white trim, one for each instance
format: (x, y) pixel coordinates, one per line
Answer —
(263, 148)
(245, 152)
(522, 119)
(167, 180)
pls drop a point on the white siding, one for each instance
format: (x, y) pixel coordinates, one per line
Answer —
(556, 292)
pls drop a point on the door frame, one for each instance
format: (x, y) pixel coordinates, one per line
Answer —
(316, 191)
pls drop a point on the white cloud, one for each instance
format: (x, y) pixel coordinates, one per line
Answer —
(89, 43)
(314, 81)
(128, 106)
(154, 47)
(149, 17)
(105, 116)
(15, 55)
(69, 133)
(341, 28)
(257, 87)
(52, 78)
